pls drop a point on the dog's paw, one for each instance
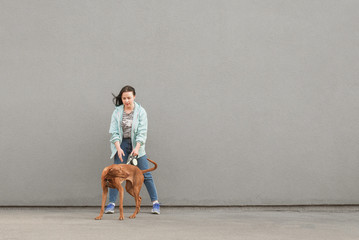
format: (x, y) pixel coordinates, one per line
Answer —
(98, 218)
(121, 218)
(133, 216)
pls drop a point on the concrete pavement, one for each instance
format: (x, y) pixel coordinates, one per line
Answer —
(182, 223)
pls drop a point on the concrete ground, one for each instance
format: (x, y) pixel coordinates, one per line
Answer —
(182, 223)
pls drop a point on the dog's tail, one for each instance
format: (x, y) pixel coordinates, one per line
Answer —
(150, 169)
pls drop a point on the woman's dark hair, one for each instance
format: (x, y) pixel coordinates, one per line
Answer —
(117, 100)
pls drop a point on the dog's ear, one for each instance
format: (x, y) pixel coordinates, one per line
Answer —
(111, 173)
(116, 173)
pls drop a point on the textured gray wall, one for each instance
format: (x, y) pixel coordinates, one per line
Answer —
(249, 102)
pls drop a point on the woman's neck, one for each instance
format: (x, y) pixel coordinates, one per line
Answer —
(129, 109)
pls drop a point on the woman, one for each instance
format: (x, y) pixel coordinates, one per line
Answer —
(129, 133)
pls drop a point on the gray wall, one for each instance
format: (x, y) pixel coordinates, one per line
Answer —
(249, 102)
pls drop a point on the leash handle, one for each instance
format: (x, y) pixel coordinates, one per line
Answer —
(132, 160)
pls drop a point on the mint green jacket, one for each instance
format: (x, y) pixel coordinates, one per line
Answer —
(138, 132)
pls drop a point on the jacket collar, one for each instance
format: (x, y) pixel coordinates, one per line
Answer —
(137, 108)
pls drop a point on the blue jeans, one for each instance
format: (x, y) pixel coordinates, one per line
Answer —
(126, 146)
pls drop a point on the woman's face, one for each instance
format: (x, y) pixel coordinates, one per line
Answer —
(128, 99)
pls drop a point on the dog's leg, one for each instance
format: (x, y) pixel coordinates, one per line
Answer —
(139, 204)
(136, 191)
(120, 190)
(129, 189)
(104, 196)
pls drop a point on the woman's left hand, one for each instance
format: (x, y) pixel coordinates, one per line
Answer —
(136, 149)
(135, 152)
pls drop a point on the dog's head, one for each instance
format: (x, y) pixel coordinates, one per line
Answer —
(116, 172)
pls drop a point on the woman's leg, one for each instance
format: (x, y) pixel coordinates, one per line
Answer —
(149, 183)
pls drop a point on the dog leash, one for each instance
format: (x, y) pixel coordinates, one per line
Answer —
(132, 160)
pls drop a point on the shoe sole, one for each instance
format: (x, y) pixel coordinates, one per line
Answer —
(110, 212)
(158, 213)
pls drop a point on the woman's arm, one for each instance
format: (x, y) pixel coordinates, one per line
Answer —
(115, 132)
(141, 135)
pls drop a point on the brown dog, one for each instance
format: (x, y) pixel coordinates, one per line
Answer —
(112, 177)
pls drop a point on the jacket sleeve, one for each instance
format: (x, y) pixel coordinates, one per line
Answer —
(141, 134)
(114, 129)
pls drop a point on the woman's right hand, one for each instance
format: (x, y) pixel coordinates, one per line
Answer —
(119, 150)
(120, 154)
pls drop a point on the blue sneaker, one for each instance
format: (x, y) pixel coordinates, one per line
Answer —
(110, 208)
(156, 208)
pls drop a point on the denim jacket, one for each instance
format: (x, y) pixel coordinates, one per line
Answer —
(138, 131)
